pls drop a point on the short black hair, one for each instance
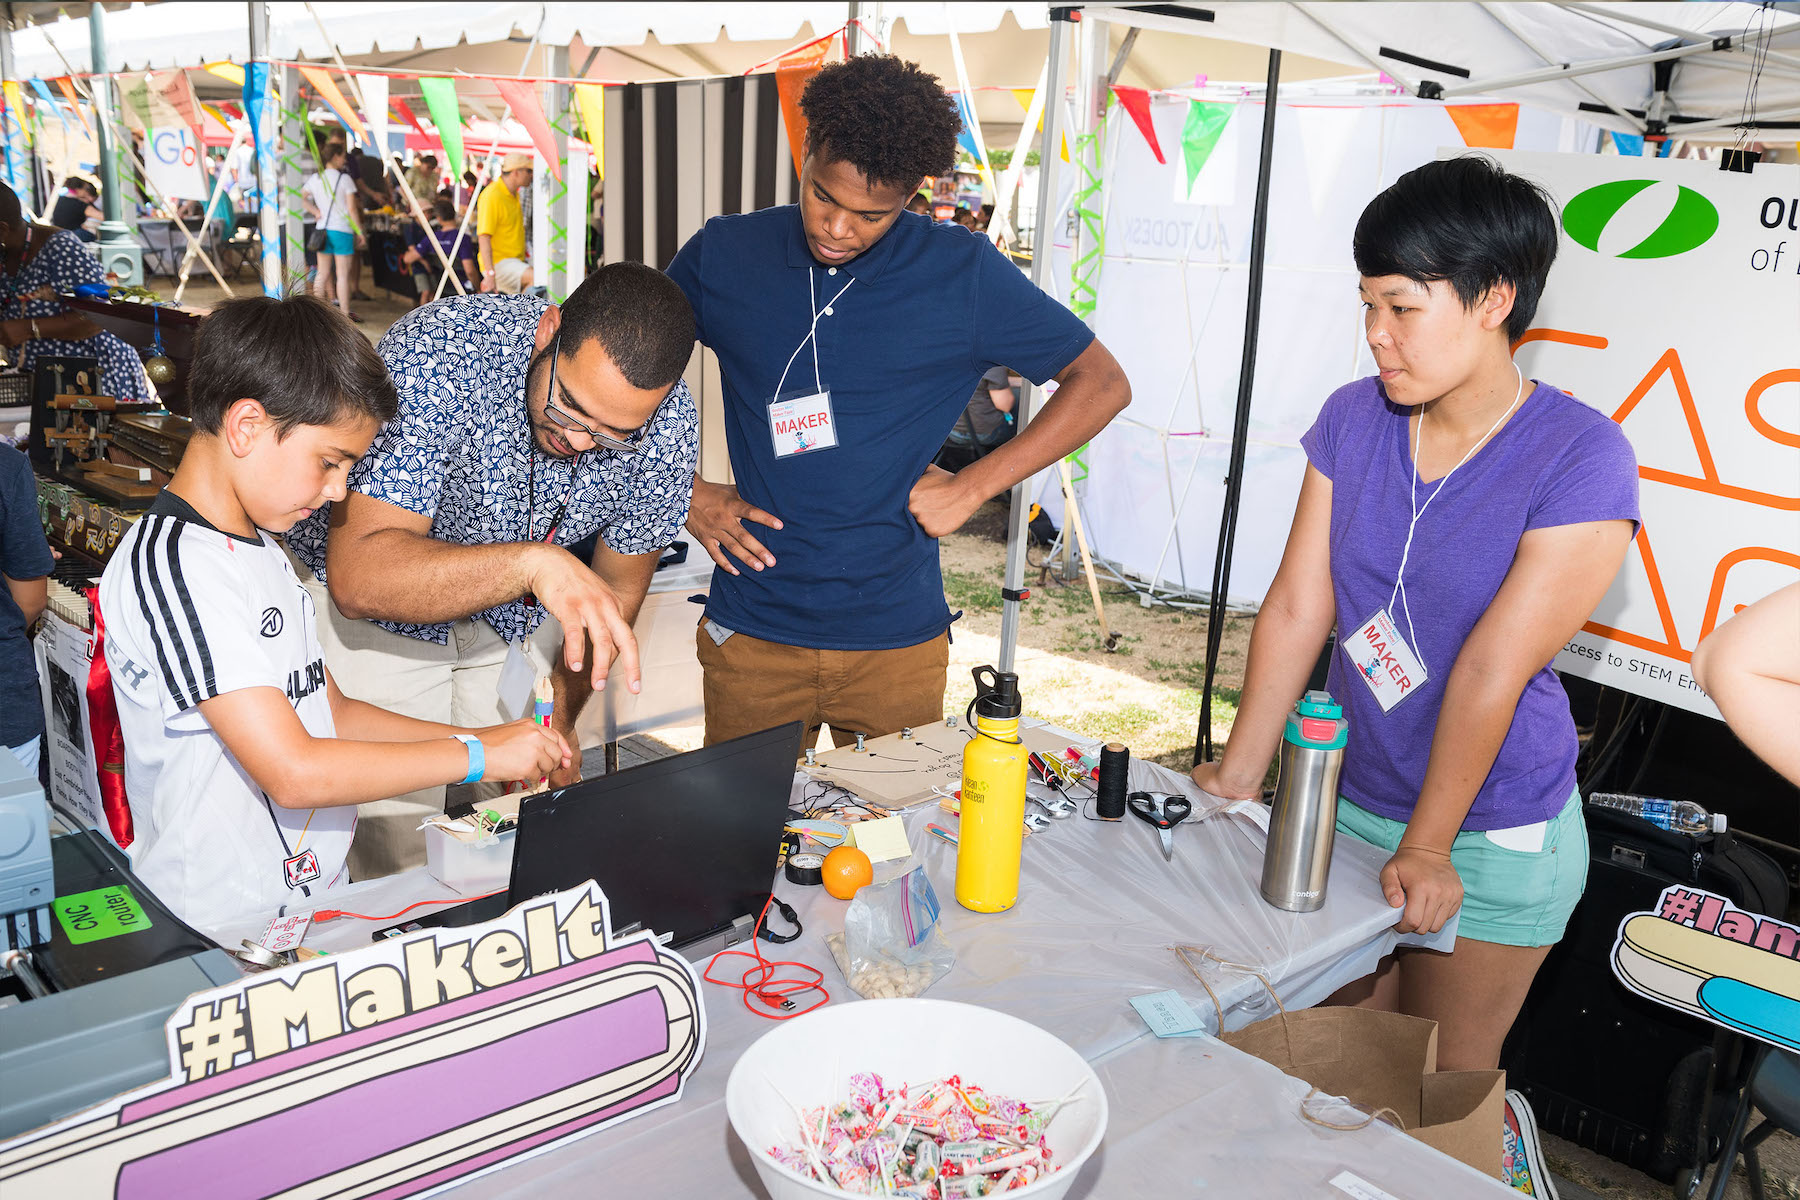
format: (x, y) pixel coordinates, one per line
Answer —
(429, 160)
(300, 357)
(884, 116)
(442, 209)
(643, 321)
(1467, 222)
(10, 211)
(76, 181)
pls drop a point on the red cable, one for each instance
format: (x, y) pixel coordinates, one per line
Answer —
(332, 914)
(769, 991)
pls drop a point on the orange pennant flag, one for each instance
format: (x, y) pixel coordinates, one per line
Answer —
(66, 86)
(791, 77)
(1486, 126)
(328, 91)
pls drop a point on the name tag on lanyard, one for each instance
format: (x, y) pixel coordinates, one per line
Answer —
(1386, 664)
(802, 424)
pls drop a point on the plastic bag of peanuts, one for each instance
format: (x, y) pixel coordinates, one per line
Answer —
(892, 945)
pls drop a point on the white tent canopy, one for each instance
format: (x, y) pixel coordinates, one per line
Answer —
(1600, 61)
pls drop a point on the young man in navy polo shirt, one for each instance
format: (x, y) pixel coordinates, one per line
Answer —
(850, 335)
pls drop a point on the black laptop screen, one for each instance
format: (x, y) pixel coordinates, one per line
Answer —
(683, 846)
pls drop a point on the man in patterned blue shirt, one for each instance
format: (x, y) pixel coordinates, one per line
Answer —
(523, 428)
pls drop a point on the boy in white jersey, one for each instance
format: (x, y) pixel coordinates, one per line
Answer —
(243, 760)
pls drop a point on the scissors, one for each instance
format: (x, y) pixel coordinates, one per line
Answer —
(1164, 812)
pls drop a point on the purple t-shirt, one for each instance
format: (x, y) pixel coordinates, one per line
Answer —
(1556, 462)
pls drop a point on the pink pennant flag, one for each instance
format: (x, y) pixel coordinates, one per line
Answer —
(523, 97)
(175, 87)
(1137, 102)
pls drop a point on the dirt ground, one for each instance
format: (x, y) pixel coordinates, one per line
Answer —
(1145, 693)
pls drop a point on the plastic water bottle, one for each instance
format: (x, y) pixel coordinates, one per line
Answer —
(993, 796)
(1681, 816)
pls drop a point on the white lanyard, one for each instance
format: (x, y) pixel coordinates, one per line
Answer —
(1418, 510)
(812, 300)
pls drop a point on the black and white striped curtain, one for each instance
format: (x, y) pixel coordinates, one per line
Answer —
(680, 153)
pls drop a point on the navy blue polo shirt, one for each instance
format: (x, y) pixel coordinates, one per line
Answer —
(928, 310)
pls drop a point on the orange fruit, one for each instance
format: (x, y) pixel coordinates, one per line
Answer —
(847, 869)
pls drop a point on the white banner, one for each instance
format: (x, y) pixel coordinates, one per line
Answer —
(173, 161)
(374, 90)
(1674, 308)
(1171, 308)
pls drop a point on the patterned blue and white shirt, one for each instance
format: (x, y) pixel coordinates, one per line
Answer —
(458, 452)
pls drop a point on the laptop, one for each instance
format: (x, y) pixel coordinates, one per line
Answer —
(685, 845)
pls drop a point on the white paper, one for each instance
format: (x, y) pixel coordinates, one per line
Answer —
(1357, 1186)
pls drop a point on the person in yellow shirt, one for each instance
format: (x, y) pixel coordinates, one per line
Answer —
(500, 228)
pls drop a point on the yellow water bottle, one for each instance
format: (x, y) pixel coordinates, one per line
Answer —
(993, 797)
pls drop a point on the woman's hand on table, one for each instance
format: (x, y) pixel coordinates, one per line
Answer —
(1211, 778)
(1423, 882)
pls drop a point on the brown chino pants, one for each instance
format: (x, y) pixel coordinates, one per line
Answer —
(751, 684)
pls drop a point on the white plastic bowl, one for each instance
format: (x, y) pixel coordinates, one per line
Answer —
(907, 1041)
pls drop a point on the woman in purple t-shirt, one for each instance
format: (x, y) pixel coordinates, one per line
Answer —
(1457, 524)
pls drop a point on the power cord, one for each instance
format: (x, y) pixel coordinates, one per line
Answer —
(765, 993)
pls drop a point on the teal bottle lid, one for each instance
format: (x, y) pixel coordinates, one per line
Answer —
(1317, 723)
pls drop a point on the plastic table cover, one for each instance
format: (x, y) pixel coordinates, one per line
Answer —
(1098, 914)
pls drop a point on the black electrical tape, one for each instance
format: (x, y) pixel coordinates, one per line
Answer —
(1115, 772)
(808, 870)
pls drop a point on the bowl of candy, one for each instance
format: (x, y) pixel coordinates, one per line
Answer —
(924, 1099)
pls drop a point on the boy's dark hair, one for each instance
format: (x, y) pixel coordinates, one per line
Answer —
(884, 116)
(643, 321)
(429, 160)
(297, 355)
(1467, 222)
(442, 209)
(76, 181)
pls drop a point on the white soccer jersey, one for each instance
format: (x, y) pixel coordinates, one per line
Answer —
(192, 613)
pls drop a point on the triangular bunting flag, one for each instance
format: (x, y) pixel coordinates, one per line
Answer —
(327, 88)
(529, 111)
(791, 77)
(43, 91)
(406, 114)
(1489, 126)
(1206, 120)
(590, 98)
(1629, 143)
(965, 137)
(66, 86)
(374, 90)
(1023, 96)
(1137, 102)
(230, 72)
(440, 100)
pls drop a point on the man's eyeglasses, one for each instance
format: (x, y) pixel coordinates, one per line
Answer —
(630, 445)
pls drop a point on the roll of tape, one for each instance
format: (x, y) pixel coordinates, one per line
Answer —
(805, 869)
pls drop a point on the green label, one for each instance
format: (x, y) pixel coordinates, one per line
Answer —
(103, 913)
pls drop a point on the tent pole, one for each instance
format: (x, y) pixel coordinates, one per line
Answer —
(1240, 430)
(268, 188)
(1042, 239)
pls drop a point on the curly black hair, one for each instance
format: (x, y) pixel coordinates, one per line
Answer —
(884, 116)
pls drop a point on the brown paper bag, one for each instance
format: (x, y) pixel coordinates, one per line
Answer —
(1388, 1060)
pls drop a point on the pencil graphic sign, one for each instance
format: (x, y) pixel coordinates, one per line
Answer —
(1701, 954)
(402, 1069)
(1672, 309)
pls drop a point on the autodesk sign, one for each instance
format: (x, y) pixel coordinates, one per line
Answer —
(1690, 220)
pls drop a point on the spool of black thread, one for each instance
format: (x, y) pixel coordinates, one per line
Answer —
(1115, 773)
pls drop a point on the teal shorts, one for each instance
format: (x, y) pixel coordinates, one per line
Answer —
(340, 242)
(1513, 897)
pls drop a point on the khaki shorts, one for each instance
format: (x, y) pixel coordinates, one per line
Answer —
(751, 684)
(512, 275)
(454, 684)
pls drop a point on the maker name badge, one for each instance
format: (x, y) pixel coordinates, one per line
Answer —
(802, 424)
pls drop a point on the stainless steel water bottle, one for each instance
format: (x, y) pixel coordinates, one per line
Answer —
(1303, 820)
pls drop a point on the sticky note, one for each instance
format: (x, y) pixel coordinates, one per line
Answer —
(102, 913)
(286, 933)
(1355, 1185)
(1168, 1015)
(882, 839)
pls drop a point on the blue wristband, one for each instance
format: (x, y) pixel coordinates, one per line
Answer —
(477, 757)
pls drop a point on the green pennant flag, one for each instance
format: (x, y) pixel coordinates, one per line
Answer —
(1205, 122)
(440, 98)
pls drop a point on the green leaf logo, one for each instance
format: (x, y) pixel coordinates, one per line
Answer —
(1692, 219)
